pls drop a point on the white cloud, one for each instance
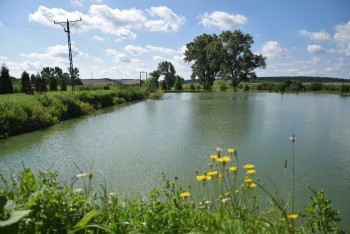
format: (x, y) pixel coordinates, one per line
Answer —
(273, 50)
(135, 50)
(77, 3)
(97, 38)
(3, 58)
(315, 36)
(315, 60)
(222, 20)
(158, 58)
(121, 23)
(162, 50)
(342, 38)
(117, 56)
(314, 49)
(54, 52)
(168, 19)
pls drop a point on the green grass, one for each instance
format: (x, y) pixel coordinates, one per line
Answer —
(22, 113)
(229, 199)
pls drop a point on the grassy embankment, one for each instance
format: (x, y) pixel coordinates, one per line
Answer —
(231, 199)
(23, 113)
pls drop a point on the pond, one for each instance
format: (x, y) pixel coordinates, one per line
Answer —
(130, 146)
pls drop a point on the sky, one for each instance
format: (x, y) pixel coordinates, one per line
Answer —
(118, 39)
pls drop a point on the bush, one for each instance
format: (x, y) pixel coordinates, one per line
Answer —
(192, 88)
(220, 85)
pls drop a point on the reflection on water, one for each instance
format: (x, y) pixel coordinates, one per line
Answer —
(130, 146)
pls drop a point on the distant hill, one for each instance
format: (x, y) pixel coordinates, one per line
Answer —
(299, 78)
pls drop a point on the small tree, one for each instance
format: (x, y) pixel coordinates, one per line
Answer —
(192, 88)
(63, 84)
(25, 83)
(5, 80)
(178, 83)
(53, 83)
(163, 85)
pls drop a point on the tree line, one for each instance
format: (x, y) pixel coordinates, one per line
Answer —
(47, 80)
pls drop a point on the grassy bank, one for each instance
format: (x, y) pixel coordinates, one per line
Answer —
(23, 113)
(231, 199)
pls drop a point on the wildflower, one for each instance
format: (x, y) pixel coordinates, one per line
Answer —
(78, 190)
(292, 216)
(212, 173)
(219, 150)
(185, 194)
(236, 191)
(225, 200)
(112, 194)
(252, 185)
(81, 175)
(251, 171)
(220, 176)
(248, 180)
(248, 166)
(224, 159)
(233, 168)
(213, 157)
(231, 150)
(203, 177)
(292, 138)
(90, 174)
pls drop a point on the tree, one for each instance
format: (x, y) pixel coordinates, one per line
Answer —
(228, 55)
(178, 83)
(74, 78)
(53, 83)
(25, 83)
(205, 53)
(5, 80)
(167, 70)
(152, 83)
(63, 85)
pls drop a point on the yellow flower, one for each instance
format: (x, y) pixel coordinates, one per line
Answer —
(224, 159)
(248, 166)
(203, 177)
(233, 168)
(231, 150)
(213, 156)
(212, 173)
(185, 194)
(252, 185)
(248, 180)
(220, 176)
(251, 171)
(292, 216)
(236, 191)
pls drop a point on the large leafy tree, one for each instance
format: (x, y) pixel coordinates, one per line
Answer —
(167, 70)
(204, 52)
(5, 80)
(228, 55)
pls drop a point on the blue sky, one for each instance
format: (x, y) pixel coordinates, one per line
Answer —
(121, 38)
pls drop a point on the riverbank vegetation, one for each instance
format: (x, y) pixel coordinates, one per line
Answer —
(228, 198)
(23, 113)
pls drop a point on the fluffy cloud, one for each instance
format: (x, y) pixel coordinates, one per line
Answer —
(117, 22)
(117, 56)
(160, 49)
(77, 3)
(168, 19)
(273, 50)
(222, 20)
(313, 49)
(135, 50)
(342, 38)
(315, 36)
(54, 52)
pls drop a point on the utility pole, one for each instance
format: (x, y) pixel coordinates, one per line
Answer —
(67, 25)
(141, 75)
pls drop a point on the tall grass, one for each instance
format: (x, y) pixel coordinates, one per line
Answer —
(22, 113)
(230, 200)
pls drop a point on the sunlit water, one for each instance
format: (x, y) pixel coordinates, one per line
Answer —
(129, 147)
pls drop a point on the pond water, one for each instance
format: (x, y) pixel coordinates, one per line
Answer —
(129, 146)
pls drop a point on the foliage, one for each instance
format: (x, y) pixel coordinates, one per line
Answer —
(231, 199)
(22, 113)
(53, 83)
(25, 83)
(220, 85)
(178, 83)
(192, 88)
(228, 55)
(5, 80)
(163, 85)
(167, 70)
(63, 84)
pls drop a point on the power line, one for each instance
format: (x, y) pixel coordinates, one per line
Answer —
(66, 26)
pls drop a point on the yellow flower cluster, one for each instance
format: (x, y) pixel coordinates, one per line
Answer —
(185, 194)
(223, 160)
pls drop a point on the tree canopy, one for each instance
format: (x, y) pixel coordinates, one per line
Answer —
(5, 80)
(227, 56)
